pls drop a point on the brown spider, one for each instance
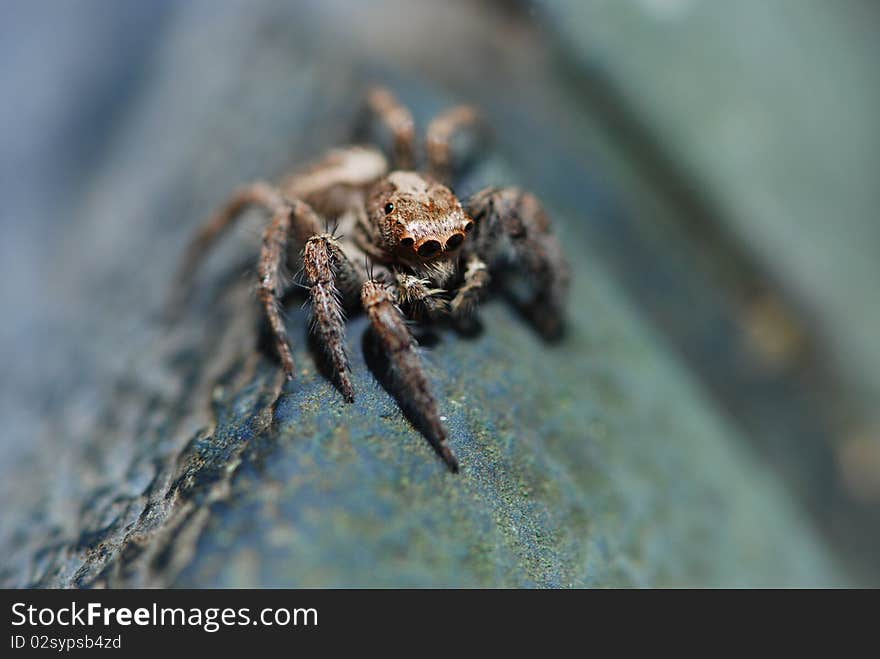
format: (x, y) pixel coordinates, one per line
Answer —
(407, 248)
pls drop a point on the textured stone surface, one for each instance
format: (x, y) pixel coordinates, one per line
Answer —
(165, 460)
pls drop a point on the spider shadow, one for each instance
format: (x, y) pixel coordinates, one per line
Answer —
(543, 321)
(266, 341)
(527, 306)
(470, 328)
(390, 380)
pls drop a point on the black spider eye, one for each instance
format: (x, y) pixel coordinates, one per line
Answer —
(429, 248)
(388, 208)
(454, 241)
(469, 227)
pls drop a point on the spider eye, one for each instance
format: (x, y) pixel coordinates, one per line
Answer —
(454, 241)
(429, 248)
(469, 226)
(388, 208)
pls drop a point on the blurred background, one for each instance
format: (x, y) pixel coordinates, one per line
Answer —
(713, 419)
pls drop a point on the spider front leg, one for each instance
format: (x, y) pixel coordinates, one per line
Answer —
(512, 229)
(327, 268)
(390, 326)
(322, 259)
(288, 215)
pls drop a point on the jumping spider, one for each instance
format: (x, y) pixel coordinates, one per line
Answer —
(407, 248)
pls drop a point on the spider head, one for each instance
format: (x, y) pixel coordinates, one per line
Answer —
(418, 220)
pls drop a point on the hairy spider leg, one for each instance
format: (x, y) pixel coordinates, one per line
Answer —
(391, 328)
(513, 229)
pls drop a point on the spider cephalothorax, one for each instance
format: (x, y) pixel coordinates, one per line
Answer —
(416, 222)
(406, 248)
(418, 218)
